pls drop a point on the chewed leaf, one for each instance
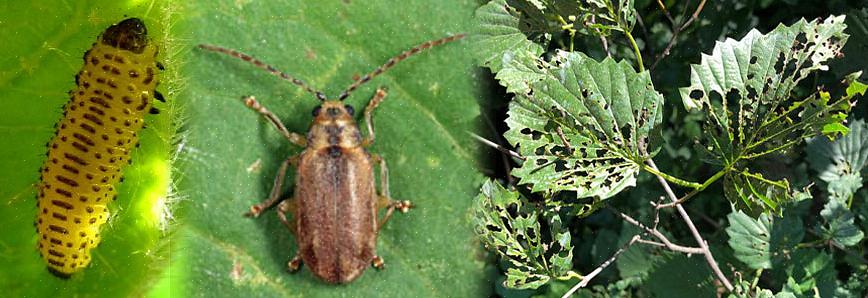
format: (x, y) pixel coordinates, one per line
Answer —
(584, 126)
(498, 37)
(752, 189)
(745, 87)
(764, 241)
(507, 223)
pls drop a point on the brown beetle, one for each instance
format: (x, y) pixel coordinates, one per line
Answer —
(335, 206)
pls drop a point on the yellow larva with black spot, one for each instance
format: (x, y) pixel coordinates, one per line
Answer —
(92, 144)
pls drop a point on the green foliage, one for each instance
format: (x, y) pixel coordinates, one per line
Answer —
(586, 128)
(43, 46)
(809, 273)
(746, 87)
(839, 163)
(232, 154)
(498, 37)
(765, 241)
(840, 225)
(586, 123)
(509, 224)
(680, 276)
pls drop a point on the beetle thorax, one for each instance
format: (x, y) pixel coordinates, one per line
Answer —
(333, 126)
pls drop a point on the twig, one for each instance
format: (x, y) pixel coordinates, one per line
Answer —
(665, 11)
(657, 234)
(498, 147)
(677, 31)
(587, 278)
(504, 156)
(709, 258)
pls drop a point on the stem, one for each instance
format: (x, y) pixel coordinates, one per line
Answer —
(636, 50)
(759, 272)
(702, 187)
(709, 258)
(657, 234)
(678, 181)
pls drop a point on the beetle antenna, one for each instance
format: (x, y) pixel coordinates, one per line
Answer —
(319, 95)
(394, 60)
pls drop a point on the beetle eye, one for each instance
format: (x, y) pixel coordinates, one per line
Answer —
(315, 111)
(349, 109)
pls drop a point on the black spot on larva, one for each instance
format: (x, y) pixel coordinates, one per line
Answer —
(159, 96)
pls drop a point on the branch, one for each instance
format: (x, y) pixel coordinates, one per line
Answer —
(498, 147)
(677, 31)
(709, 258)
(657, 234)
(587, 278)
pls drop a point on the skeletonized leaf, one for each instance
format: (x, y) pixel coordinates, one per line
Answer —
(764, 241)
(839, 163)
(840, 224)
(746, 89)
(510, 225)
(584, 126)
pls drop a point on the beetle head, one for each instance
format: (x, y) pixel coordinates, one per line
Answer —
(333, 110)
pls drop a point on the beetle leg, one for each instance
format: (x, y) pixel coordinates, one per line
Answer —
(255, 210)
(287, 206)
(385, 199)
(295, 138)
(369, 110)
(294, 264)
(378, 263)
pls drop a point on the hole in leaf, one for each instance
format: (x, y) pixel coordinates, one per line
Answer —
(779, 63)
(560, 165)
(696, 94)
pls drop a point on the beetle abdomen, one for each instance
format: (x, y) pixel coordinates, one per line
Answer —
(336, 234)
(92, 144)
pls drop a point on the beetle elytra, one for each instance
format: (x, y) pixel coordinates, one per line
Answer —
(335, 204)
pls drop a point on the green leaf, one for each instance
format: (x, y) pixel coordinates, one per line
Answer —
(680, 276)
(840, 224)
(45, 42)
(497, 37)
(809, 272)
(510, 225)
(839, 163)
(765, 241)
(745, 87)
(607, 113)
(232, 154)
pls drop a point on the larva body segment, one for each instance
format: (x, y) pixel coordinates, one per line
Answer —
(92, 144)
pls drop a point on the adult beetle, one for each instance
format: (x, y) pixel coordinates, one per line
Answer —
(334, 210)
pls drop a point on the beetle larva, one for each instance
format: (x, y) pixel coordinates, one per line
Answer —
(334, 211)
(92, 144)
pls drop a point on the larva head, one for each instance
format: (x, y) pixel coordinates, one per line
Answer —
(130, 34)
